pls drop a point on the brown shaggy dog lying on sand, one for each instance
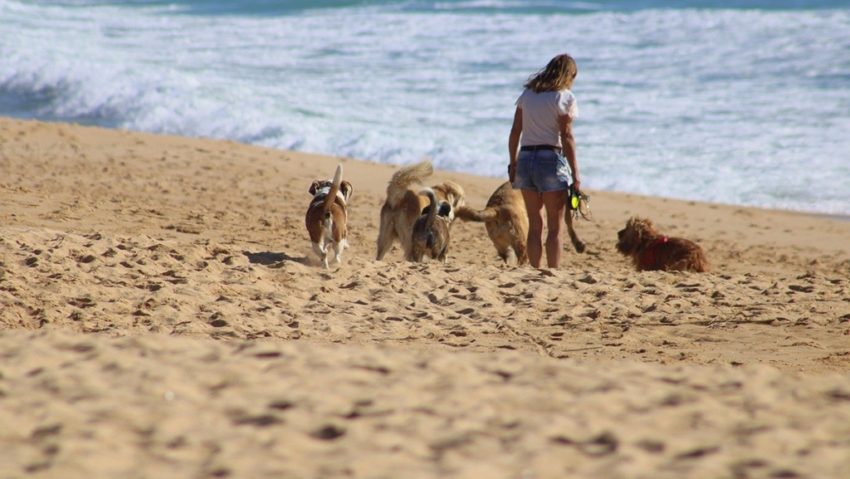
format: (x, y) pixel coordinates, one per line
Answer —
(507, 223)
(652, 251)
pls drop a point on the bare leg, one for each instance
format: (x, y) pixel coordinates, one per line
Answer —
(555, 203)
(534, 208)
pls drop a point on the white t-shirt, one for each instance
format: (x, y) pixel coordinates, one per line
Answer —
(540, 112)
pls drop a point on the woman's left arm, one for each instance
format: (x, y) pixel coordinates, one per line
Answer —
(513, 143)
(565, 127)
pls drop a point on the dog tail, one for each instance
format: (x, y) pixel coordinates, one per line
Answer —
(432, 210)
(403, 178)
(469, 214)
(329, 200)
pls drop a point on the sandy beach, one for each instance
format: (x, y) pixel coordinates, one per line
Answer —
(161, 315)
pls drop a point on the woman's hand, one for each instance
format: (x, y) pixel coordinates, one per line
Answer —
(512, 172)
(577, 186)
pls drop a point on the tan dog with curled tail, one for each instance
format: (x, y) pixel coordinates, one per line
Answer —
(404, 205)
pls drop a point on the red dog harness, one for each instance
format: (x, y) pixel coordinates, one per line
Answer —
(649, 256)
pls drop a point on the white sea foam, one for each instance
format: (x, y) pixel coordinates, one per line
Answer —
(747, 107)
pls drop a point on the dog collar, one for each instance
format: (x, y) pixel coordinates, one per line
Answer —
(649, 256)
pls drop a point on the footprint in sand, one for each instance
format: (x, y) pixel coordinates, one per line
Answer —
(281, 404)
(216, 321)
(328, 432)
(260, 420)
(44, 435)
(801, 289)
(82, 302)
(86, 259)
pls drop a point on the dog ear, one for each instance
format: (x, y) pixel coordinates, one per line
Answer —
(346, 189)
(314, 187)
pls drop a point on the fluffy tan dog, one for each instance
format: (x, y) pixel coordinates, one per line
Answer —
(431, 230)
(327, 216)
(404, 206)
(506, 221)
(652, 251)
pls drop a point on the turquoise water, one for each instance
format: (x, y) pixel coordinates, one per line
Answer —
(734, 102)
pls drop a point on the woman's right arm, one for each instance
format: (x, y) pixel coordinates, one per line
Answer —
(513, 143)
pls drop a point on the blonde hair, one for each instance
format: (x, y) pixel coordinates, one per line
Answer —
(558, 75)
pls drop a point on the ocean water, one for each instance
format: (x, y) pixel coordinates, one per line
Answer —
(741, 102)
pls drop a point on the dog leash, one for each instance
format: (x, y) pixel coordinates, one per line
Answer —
(579, 204)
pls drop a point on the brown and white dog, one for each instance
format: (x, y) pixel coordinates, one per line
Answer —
(506, 220)
(404, 206)
(431, 230)
(327, 216)
(652, 251)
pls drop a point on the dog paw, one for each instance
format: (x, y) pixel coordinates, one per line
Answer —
(580, 247)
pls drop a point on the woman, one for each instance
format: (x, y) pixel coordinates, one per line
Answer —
(543, 122)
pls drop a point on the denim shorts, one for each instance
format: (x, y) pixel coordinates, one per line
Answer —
(542, 171)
